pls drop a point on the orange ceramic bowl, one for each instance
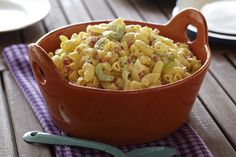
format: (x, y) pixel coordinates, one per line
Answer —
(121, 117)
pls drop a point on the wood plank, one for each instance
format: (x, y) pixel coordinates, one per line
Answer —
(75, 11)
(23, 120)
(7, 139)
(33, 33)
(99, 9)
(56, 17)
(225, 73)
(2, 64)
(9, 38)
(232, 57)
(229, 51)
(166, 6)
(149, 10)
(220, 106)
(205, 126)
(124, 9)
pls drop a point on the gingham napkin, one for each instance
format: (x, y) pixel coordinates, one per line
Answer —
(185, 140)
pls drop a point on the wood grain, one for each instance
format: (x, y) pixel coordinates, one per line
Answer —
(232, 57)
(2, 64)
(166, 6)
(56, 17)
(7, 139)
(99, 9)
(23, 120)
(75, 11)
(221, 107)
(33, 33)
(225, 73)
(204, 125)
(124, 9)
(149, 11)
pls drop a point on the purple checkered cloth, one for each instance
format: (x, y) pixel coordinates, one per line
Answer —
(185, 140)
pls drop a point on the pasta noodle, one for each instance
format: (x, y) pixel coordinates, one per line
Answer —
(117, 56)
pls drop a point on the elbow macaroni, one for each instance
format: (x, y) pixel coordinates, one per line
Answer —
(117, 56)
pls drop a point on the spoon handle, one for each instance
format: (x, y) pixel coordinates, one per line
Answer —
(45, 138)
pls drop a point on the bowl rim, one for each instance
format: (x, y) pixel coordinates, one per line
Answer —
(110, 91)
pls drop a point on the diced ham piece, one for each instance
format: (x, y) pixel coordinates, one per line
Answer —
(155, 58)
(117, 49)
(67, 61)
(78, 50)
(93, 40)
(141, 74)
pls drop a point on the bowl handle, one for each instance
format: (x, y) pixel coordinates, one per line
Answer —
(42, 66)
(176, 28)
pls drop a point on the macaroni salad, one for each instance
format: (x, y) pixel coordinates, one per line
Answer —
(123, 57)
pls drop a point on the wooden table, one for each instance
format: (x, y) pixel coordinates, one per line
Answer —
(213, 115)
